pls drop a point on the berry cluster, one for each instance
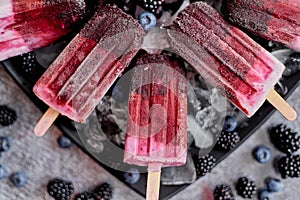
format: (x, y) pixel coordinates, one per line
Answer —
(85, 196)
(7, 115)
(223, 192)
(289, 166)
(285, 139)
(205, 164)
(60, 189)
(153, 6)
(246, 187)
(227, 140)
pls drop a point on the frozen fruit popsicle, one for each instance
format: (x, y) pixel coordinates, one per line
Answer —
(26, 25)
(277, 20)
(156, 125)
(81, 75)
(227, 58)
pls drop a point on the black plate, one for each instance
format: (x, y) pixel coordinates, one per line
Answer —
(26, 82)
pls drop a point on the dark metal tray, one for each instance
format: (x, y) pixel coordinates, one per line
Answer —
(67, 126)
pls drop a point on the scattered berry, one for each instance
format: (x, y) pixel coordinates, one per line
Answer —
(7, 116)
(245, 187)
(154, 6)
(227, 140)
(274, 185)
(104, 191)
(265, 195)
(4, 144)
(85, 196)
(132, 176)
(60, 189)
(3, 172)
(223, 192)
(262, 154)
(205, 164)
(284, 139)
(289, 166)
(19, 179)
(230, 123)
(64, 142)
(147, 20)
(29, 63)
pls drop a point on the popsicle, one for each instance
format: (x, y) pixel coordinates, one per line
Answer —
(81, 75)
(273, 20)
(227, 59)
(26, 25)
(156, 124)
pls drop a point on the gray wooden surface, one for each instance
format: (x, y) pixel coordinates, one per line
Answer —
(42, 159)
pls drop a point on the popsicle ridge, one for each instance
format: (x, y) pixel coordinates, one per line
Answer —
(273, 20)
(156, 128)
(225, 56)
(91, 62)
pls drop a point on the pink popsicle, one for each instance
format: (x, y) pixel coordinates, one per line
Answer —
(227, 58)
(81, 75)
(273, 20)
(26, 25)
(157, 110)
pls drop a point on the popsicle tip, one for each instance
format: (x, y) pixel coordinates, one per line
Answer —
(45, 122)
(281, 105)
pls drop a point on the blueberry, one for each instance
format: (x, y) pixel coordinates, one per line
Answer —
(147, 20)
(3, 172)
(132, 176)
(64, 142)
(230, 123)
(265, 195)
(274, 185)
(19, 179)
(262, 154)
(4, 144)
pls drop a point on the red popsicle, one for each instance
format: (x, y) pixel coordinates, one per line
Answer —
(81, 75)
(277, 20)
(26, 25)
(228, 59)
(157, 110)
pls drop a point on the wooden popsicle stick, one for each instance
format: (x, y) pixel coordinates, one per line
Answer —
(45, 122)
(153, 181)
(281, 105)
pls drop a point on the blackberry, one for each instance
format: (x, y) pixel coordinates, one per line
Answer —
(85, 196)
(104, 191)
(29, 63)
(60, 189)
(289, 166)
(223, 192)
(245, 187)
(227, 140)
(205, 164)
(285, 139)
(154, 6)
(7, 116)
